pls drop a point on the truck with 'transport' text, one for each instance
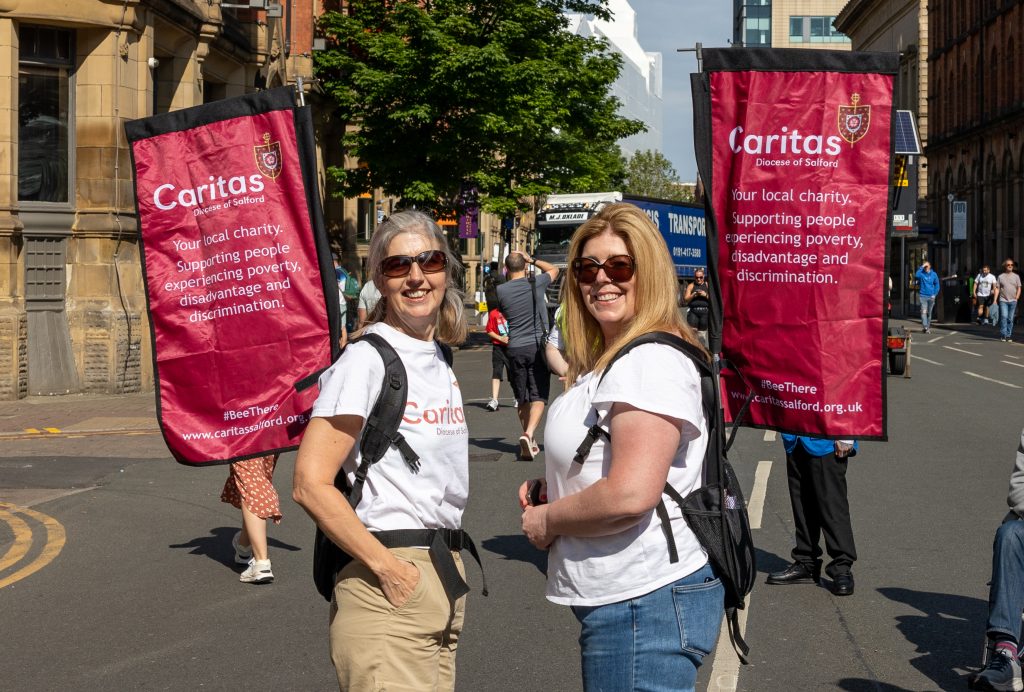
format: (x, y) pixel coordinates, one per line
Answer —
(681, 225)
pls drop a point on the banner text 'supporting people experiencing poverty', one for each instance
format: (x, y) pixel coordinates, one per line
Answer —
(237, 303)
(800, 159)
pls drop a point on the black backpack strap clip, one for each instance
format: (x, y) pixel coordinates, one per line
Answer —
(593, 435)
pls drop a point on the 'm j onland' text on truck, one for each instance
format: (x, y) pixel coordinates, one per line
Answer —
(681, 225)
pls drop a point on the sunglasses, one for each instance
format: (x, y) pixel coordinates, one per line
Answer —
(617, 268)
(430, 261)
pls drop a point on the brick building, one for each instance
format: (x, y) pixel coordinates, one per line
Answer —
(976, 129)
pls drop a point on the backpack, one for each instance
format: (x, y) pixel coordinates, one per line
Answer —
(351, 289)
(716, 512)
(380, 432)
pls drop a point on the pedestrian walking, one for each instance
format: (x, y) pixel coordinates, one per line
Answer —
(395, 621)
(927, 292)
(368, 298)
(646, 620)
(250, 487)
(1009, 294)
(816, 470)
(1006, 593)
(985, 289)
(521, 300)
(497, 329)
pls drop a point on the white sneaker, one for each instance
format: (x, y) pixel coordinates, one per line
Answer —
(492, 405)
(243, 553)
(258, 572)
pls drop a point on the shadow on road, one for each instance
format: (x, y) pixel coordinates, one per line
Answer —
(949, 634)
(862, 685)
(498, 444)
(217, 546)
(516, 547)
(769, 562)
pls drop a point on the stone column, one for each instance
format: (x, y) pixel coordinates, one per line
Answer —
(106, 303)
(13, 321)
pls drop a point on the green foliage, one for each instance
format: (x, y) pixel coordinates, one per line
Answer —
(495, 94)
(650, 174)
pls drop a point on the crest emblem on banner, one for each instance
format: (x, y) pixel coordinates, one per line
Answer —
(854, 120)
(268, 157)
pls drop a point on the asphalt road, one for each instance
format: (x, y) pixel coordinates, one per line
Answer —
(140, 592)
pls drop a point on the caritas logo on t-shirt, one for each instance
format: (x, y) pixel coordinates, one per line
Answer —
(447, 419)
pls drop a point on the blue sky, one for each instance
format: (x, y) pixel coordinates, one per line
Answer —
(664, 26)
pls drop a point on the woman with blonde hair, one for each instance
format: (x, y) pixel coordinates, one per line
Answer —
(395, 621)
(648, 613)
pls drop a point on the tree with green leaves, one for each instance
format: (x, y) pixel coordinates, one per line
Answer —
(494, 96)
(650, 174)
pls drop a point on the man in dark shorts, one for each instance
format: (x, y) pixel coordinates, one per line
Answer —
(521, 300)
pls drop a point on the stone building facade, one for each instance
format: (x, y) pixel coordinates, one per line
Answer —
(72, 302)
(976, 129)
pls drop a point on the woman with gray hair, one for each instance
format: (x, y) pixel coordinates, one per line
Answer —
(395, 623)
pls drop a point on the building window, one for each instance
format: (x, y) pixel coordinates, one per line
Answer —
(45, 66)
(817, 29)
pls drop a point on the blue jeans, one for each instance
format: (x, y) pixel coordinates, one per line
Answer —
(1006, 595)
(653, 643)
(1006, 310)
(927, 304)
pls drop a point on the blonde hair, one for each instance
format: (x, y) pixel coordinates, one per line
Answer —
(450, 325)
(655, 287)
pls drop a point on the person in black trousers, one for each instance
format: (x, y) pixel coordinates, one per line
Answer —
(816, 470)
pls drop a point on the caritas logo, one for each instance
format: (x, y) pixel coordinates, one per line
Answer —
(220, 192)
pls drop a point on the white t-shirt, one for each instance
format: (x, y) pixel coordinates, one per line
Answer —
(434, 425)
(368, 297)
(634, 562)
(983, 285)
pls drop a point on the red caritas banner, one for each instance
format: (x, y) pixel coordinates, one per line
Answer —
(238, 307)
(799, 152)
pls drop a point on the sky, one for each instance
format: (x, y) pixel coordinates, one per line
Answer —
(663, 26)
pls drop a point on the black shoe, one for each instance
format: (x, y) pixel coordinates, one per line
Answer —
(796, 573)
(842, 584)
(1002, 674)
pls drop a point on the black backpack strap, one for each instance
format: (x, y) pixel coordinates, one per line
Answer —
(440, 543)
(695, 354)
(381, 428)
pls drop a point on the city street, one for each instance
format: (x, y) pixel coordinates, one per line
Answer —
(116, 566)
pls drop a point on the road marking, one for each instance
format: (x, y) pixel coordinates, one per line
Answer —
(32, 431)
(1010, 356)
(960, 350)
(925, 360)
(934, 339)
(725, 672)
(769, 436)
(22, 539)
(52, 430)
(989, 379)
(55, 537)
(1009, 362)
(755, 508)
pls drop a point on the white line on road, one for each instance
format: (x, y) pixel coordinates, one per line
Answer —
(1009, 356)
(725, 673)
(960, 350)
(769, 436)
(989, 379)
(934, 339)
(1010, 362)
(933, 362)
(755, 508)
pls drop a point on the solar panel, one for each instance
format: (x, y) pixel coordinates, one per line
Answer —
(905, 134)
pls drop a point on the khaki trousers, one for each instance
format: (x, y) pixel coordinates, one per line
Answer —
(379, 648)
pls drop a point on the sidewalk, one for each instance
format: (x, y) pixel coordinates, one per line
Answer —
(77, 413)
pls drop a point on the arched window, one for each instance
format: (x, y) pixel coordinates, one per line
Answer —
(994, 92)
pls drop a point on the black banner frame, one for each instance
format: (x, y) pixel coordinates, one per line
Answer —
(258, 103)
(779, 60)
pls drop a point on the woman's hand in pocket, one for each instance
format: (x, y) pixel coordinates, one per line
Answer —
(399, 581)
